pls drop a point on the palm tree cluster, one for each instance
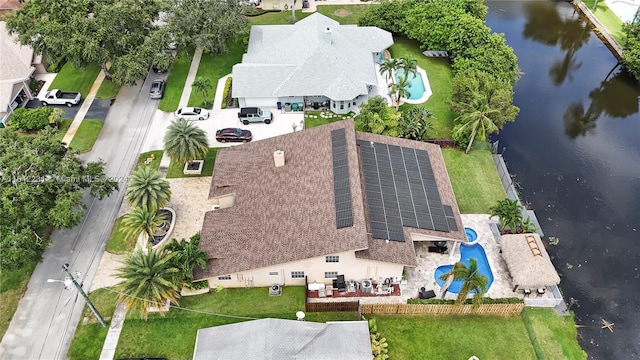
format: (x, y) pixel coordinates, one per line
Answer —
(399, 87)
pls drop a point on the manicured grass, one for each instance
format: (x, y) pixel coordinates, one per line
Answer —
(455, 337)
(213, 67)
(277, 18)
(63, 127)
(345, 15)
(175, 82)
(174, 336)
(108, 90)
(118, 242)
(13, 283)
(440, 76)
(474, 179)
(154, 163)
(310, 122)
(89, 338)
(86, 135)
(609, 19)
(71, 78)
(556, 335)
(176, 168)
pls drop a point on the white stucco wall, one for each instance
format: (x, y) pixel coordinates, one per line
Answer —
(314, 269)
(257, 102)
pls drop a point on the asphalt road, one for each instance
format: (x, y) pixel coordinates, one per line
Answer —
(47, 316)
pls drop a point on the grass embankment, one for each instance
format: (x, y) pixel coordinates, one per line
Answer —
(155, 155)
(609, 19)
(71, 78)
(13, 283)
(108, 90)
(555, 335)
(86, 135)
(175, 82)
(119, 243)
(63, 127)
(474, 179)
(176, 168)
(89, 338)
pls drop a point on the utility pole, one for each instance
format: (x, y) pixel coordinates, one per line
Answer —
(65, 267)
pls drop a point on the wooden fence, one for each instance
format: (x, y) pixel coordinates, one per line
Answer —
(332, 306)
(413, 309)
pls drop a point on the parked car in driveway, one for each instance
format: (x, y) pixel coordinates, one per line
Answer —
(253, 114)
(57, 97)
(192, 113)
(157, 89)
(233, 135)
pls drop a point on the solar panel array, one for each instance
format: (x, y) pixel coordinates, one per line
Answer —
(341, 185)
(401, 191)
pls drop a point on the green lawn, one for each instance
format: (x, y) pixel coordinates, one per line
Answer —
(175, 82)
(474, 179)
(312, 118)
(176, 168)
(13, 283)
(146, 155)
(118, 242)
(345, 15)
(556, 335)
(277, 18)
(440, 75)
(89, 338)
(609, 19)
(63, 127)
(108, 90)
(71, 78)
(86, 135)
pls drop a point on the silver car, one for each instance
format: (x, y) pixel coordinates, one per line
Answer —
(157, 89)
(192, 113)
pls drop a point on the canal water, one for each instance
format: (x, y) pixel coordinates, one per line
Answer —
(574, 151)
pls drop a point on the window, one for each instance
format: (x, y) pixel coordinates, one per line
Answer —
(333, 103)
(354, 103)
(297, 274)
(330, 274)
(341, 105)
(273, 273)
(226, 277)
(332, 258)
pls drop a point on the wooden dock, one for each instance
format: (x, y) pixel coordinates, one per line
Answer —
(599, 29)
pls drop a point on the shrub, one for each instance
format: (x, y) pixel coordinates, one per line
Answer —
(227, 101)
(35, 119)
(468, 301)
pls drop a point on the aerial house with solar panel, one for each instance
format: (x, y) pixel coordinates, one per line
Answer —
(325, 203)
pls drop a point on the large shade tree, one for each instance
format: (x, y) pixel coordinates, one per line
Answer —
(147, 189)
(150, 280)
(185, 142)
(41, 186)
(119, 32)
(207, 24)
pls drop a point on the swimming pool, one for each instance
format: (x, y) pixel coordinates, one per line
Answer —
(467, 252)
(416, 85)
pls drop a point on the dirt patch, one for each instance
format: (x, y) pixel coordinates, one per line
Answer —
(342, 13)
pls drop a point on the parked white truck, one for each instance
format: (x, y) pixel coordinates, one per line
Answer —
(57, 97)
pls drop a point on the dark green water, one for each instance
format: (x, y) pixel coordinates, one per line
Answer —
(575, 151)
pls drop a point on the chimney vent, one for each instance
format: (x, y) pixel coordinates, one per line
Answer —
(327, 35)
(278, 157)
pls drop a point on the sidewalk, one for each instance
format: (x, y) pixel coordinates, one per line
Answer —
(84, 108)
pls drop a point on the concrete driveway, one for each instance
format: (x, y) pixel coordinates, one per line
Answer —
(226, 118)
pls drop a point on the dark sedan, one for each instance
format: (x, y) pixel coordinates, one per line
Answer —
(233, 135)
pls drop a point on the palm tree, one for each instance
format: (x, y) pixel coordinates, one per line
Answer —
(416, 124)
(399, 89)
(150, 279)
(509, 213)
(203, 85)
(388, 67)
(476, 116)
(147, 189)
(187, 255)
(142, 221)
(473, 281)
(408, 65)
(185, 142)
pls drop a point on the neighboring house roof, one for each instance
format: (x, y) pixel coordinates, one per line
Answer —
(10, 4)
(528, 261)
(284, 340)
(288, 213)
(16, 65)
(315, 56)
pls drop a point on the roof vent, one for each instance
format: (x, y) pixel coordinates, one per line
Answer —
(278, 157)
(327, 35)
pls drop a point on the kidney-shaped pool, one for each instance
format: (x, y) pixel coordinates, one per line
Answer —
(467, 252)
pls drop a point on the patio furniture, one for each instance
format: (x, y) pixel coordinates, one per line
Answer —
(526, 292)
(540, 291)
(428, 294)
(329, 290)
(341, 284)
(322, 292)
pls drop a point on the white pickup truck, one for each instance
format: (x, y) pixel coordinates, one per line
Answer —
(57, 97)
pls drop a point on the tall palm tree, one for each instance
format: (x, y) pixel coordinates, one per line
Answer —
(150, 279)
(476, 116)
(400, 89)
(388, 67)
(472, 280)
(142, 221)
(185, 142)
(202, 84)
(408, 65)
(187, 256)
(147, 189)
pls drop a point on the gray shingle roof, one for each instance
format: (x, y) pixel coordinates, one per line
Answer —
(15, 64)
(286, 214)
(316, 56)
(283, 340)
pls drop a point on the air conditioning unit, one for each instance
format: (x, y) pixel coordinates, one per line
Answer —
(215, 207)
(366, 286)
(275, 290)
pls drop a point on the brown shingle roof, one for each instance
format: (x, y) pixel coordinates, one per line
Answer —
(286, 214)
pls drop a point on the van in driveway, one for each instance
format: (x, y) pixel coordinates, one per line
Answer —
(254, 115)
